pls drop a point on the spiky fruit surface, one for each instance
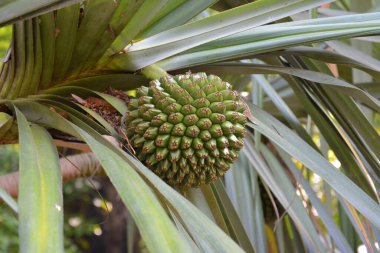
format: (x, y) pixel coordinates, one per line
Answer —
(188, 129)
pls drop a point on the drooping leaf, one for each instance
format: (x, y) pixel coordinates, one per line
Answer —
(285, 193)
(331, 226)
(262, 39)
(11, 202)
(296, 147)
(181, 38)
(40, 190)
(317, 77)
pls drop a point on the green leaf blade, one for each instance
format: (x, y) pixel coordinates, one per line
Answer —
(296, 147)
(158, 231)
(40, 191)
(182, 38)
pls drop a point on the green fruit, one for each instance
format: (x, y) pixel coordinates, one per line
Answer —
(187, 129)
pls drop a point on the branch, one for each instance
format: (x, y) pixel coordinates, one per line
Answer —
(72, 167)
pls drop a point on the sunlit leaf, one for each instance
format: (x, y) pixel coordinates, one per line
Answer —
(40, 190)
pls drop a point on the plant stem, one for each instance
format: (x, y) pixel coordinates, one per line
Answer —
(153, 72)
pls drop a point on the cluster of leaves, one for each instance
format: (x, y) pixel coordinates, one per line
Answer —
(82, 50)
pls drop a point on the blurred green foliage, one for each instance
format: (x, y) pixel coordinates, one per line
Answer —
(8, 220)
(5, 38)
(8, 230)
(8, 158)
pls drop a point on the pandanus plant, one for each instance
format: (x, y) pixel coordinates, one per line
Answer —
(196, 72)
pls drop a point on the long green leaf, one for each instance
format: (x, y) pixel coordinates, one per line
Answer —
(285, 192)
(283, 107)
(296, 147)
(225, 214)
(40, 190)
(317, 77)
(326, 125)
(76, 115)
(92, 27)
(358, 225)
(177, 17)
(179, 39)
(66, 26)
(14, 10)
(230, 216)
(122, 15)
(353, 121)
(329, 57)
(334, 231)
(185, 234)
(269, 38)
(242, 188)
(284, 29)
(8, 76)
(6, 121)
(11, 202)
(119, 104)
(18, 52)
(29, 62)
(154, 225)
(169, 7)
(136, 24)
(47, 26)
(206, 234)
(38, 64)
